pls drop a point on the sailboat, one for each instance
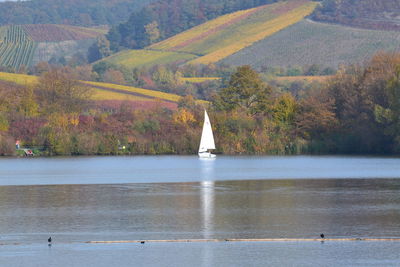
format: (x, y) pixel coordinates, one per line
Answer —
(207, 139)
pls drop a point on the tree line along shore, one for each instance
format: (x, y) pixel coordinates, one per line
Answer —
(356, 111)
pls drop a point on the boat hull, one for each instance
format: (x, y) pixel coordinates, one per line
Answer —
(206, 155)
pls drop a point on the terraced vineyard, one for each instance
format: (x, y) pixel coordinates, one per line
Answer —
(219, 38)
(59, 33)
(234, 34)
(19, 43)
(310, 42)
(16, 47)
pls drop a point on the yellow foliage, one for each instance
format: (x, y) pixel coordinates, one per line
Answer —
(285, 108)
(4, 125)
(63, 120)
(184, 116)
(59, 120)
(74, 119)
(103, 117)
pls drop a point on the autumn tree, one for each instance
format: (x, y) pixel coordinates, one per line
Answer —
(59, 92)
(315, 116)
(152, 31)
(163, 77)
(388, 115)
(245, 90)
(361, 100)
(28, 105)
(284, 109)
(114, 76)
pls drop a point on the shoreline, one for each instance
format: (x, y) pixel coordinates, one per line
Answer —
(38, 155)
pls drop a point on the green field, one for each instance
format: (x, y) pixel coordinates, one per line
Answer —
(309, 42)
(219, 38)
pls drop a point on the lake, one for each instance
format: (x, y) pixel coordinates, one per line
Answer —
(82, 199)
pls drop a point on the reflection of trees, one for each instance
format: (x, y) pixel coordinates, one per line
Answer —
(260, 209)
(40, 208)
(229, 209)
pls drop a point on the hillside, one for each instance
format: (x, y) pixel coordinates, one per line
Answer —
(310, 42)
(219, 38)
(103, 91)
(29, 44)
(165, 18)
(71, 12)
(369, 14)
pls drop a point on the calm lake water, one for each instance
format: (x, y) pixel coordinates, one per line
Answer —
(75, 200)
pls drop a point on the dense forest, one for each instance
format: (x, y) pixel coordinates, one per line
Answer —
(166, 18)
(355, 111)
(71, 12)
(371, 14)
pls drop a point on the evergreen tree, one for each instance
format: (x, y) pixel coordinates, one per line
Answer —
(99, 50)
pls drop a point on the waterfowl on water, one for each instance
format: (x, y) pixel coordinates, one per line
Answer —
(322, 236)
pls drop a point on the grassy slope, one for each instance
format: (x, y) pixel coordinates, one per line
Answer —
(102, 91)
(310, 42)
(144, 92)
(147, 58)
(20, 79)
(219, 38)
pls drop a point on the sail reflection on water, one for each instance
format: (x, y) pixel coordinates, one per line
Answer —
(207, 196)
(208, 207)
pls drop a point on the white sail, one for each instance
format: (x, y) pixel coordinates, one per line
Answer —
(207, 138)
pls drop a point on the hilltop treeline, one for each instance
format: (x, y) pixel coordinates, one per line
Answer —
(72, 12)
(166, 18)
(371, 14)
(355, 111)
